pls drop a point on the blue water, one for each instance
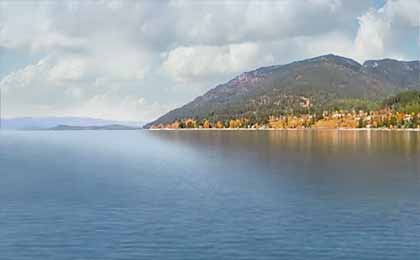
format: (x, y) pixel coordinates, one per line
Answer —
(209, 195)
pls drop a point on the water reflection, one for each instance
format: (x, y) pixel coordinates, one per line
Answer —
(328, 141)
(355, 162)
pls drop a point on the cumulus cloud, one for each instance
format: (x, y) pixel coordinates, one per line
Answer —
(60, 87)
(124, 107)
(407, 12)
(372, 35)
(229, 22)
(198, 62)
(381, 32)
(125, 59)
(67, 69)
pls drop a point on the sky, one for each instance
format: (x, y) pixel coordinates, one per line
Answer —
(136, 60)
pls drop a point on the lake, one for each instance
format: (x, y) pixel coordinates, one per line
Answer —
(209, 195)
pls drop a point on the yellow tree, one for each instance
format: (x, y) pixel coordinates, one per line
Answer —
(190, 123)
(175, 125)
(219, 124)
(206, 124)
(235, 123)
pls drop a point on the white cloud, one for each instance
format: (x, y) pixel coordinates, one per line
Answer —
(372, 35)
(125, 59)
(129, 108)
(57, 87)
(67, 69)
(406, 11)
(28, 25)
(198, 62)
(25, 77)
(379, 33)
(284, 31)
(334, 42)
(233, 22)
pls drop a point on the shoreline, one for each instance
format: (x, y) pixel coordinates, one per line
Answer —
(228, 129)
(291, 129)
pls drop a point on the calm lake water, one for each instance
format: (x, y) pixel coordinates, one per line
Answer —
(209, 195)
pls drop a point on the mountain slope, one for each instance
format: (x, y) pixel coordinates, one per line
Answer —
(404, 74)
(287, 88)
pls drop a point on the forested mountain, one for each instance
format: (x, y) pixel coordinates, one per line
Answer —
(309, 86)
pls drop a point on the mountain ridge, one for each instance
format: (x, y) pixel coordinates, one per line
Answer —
(39, 123)
(91, 128)
(278, 89)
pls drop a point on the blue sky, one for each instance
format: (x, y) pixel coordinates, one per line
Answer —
(135, 60)
(377, 3)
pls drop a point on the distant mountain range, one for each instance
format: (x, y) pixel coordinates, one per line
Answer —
(103, 127)
(42, 123)
(313, 84)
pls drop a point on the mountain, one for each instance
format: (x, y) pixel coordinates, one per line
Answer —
(310, 85)
(22, 123)
(103, 127)
(404, 74)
